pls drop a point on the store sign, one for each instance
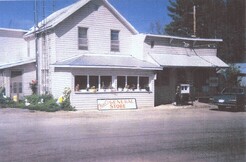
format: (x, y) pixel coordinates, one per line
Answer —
(114, 104)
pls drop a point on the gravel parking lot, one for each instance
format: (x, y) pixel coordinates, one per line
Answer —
(163, 133)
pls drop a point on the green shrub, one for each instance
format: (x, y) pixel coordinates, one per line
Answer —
(48, 103)
(5, 102)
(66, 105)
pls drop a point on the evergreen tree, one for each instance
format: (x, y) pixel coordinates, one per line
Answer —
(214, 19)
(234, 34)
(209, 18)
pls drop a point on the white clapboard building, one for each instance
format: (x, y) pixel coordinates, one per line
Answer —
(92, 49)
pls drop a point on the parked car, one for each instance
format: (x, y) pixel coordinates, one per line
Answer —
(233, 98)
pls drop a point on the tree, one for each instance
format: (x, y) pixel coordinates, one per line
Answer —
(231, 75)
(214, 19)
(209, 16)
(234, 34)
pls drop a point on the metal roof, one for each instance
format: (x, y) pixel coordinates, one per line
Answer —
(17, 63)
(170, 60)
(14, 30)
(107, 61)
(185, 38)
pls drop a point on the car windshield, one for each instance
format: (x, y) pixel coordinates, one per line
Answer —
(232, 90)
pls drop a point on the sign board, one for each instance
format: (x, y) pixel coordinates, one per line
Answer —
(116, 104)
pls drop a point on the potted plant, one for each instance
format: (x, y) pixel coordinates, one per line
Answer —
(126, 88)
(93, 89)
(34, 86)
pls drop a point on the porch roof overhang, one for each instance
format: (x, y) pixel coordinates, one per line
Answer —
(107, 62)
(16, 63)
(180, 60)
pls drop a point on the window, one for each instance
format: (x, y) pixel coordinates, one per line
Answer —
(93, 82)
(80, 83)
(132, 82)
(144, 83)
(16, 87)
(82, 38)
(115, 43)
(121, 82)
(106, 82)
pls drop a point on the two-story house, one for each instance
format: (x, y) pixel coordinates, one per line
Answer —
(92, 49)
(88, 46)
(17, 62)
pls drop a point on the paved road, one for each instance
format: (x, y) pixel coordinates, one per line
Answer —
(157, 134)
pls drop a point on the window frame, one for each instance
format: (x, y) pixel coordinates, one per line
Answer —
(83, 43)
(114, 82)
(114, 43)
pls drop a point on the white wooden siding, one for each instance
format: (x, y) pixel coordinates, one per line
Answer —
(29, 74)
(99, 23)
(60, 80)
(32, 46)
(52, 47)
(12, 49)
(137, 46)
(89, 101)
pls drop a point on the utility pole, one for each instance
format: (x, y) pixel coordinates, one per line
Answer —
(53, 6)
(194, 21)
(36, 41)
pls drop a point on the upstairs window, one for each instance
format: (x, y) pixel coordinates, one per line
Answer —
(115, 43)
(82, 38)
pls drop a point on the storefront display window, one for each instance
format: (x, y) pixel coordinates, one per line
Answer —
(80, 83)
(144, 83)
(121, 82)
(104, 83)
(93, 82)
(132, 82)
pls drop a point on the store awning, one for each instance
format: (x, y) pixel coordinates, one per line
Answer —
(16, 63)
(107, 61)
(171, 60)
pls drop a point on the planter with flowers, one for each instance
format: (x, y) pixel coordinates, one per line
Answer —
(34, 86)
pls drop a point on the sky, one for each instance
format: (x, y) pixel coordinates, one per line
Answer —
(19, 14)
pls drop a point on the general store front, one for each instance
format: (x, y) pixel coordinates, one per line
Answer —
(197, 71)
(111, 78)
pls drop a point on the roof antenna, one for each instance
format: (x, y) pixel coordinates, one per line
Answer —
(53, 5)
(36, 13)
